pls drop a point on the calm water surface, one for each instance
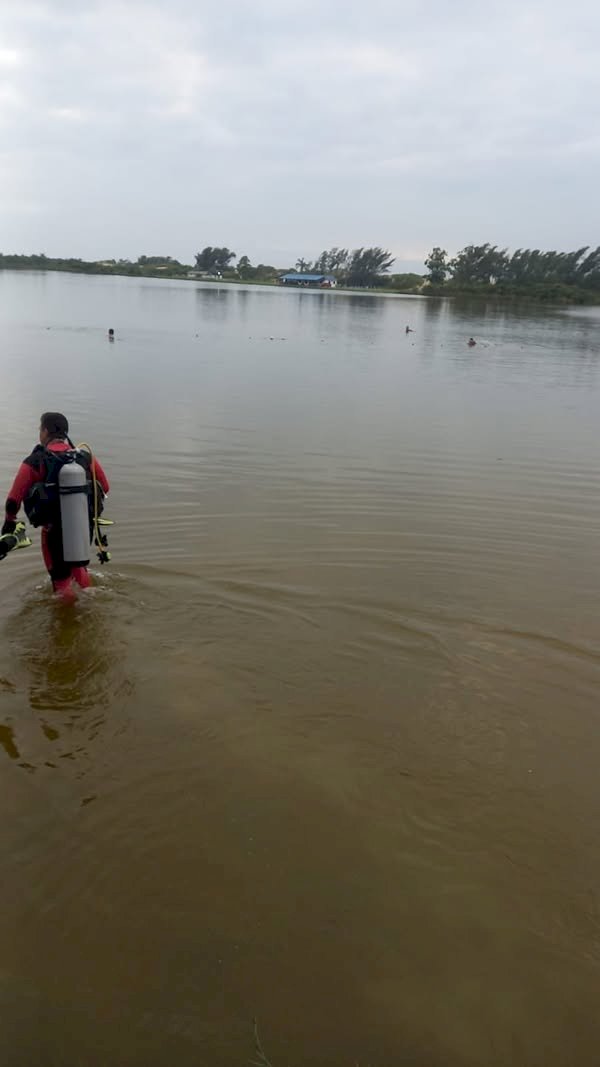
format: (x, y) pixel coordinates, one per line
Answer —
(321, 748)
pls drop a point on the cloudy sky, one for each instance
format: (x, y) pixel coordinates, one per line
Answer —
(282, 128)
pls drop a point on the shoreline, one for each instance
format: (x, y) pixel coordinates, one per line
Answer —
(566, 298)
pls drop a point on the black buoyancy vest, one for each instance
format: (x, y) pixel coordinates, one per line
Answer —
(42, 503)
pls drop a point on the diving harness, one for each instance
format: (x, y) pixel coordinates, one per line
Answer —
(71, 492)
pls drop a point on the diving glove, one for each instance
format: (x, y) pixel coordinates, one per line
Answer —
(16, 539)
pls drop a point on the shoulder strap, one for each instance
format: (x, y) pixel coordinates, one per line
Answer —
(83, 458)
(53, 461)
(35, 459)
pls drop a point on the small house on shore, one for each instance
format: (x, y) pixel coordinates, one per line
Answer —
(319, 281)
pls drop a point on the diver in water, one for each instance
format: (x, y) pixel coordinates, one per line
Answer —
(62, 489)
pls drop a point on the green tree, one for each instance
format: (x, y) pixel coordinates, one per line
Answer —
(338, 261)
(405, 281)
(244, 266)
(264, 272)
(332, 261)
(367, 266)
(157, 261)
(478, 264)
(321, 264)
(588, 271)
(437, 265)
(213, 260)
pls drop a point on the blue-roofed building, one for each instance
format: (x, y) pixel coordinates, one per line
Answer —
(320, 281)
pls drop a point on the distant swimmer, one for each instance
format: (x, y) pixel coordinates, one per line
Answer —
(111, 334)
(471, 342)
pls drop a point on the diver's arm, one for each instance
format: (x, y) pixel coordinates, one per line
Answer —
(100, 475)
(26, 476)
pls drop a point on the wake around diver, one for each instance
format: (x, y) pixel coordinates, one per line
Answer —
(62, 489)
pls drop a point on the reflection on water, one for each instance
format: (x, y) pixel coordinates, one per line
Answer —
(69, 665)
(321, 746)
(7, 740)
(68, 655)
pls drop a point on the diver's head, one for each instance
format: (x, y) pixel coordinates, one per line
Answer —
(53, 426)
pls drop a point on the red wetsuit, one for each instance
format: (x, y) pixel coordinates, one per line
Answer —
(32, 470)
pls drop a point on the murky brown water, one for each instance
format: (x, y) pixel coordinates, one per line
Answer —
(322, 746)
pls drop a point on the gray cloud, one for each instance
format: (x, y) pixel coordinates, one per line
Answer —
(280, 130)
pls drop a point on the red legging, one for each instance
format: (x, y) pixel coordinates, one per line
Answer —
(61, 573)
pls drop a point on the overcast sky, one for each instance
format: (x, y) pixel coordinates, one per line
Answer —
(282, 127)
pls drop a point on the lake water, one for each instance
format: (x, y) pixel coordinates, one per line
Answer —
(321, 748)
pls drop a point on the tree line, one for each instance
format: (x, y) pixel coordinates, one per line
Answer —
(144, 266)
(484, 269)
(491, 268)
(571, 276)
(360, 268)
